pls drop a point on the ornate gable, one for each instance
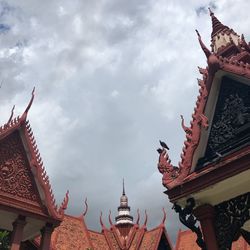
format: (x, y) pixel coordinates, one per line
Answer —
(17, 187)
(230, 126)
(24, 181)
(229, 59)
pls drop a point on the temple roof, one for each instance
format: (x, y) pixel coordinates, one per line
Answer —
(187, 240)
(73, 234)
(21, 163)
(230, 58)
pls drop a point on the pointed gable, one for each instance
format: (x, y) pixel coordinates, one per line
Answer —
(17, 185)
(228, 65)
(24, 183)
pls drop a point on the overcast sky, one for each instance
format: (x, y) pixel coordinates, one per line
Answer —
(112, 78)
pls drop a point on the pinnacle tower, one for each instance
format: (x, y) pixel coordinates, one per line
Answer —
(124, 216)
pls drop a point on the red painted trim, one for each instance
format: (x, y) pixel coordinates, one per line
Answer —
(214, 173)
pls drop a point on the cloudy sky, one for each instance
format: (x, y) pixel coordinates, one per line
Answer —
(112, 78)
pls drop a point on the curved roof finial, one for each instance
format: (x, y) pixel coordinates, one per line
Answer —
(138, 217)
(101, 222)
(11, 115)
(164, 216)
(110, 220)
(64, 203)
(146, 219)
(203, 46)
(25, 113)
(86, 207)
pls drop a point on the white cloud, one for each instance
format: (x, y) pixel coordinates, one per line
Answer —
(144, 54)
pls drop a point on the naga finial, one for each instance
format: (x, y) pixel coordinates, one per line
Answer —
(164, 216)
(138, 217)
(11, 115)
(110, 220)
(25, 113)
(86, 207)
(146, 219)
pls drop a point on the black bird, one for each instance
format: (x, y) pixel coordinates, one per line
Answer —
(159, 150)
(164, 145)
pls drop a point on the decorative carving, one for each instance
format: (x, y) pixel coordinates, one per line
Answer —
(15, 177)
(172, 175)
(229, 218)
(188, 219)
(234, 115)
(21, 125)
(231, 123)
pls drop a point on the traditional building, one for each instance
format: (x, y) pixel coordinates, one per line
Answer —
(27, 204)
(211, 183)
(124, 234)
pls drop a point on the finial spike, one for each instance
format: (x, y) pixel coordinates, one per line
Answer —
(138, 217)
(123, 187)
(11, 115)
(210, 11)
(146, 219)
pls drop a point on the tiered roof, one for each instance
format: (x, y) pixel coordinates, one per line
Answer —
(74, 234)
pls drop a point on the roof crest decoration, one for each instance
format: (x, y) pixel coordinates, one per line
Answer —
(110, 220)
(37, 163)
(11, 115)
(173, 175)
(138, 217)
(206, 51)
(164, 217)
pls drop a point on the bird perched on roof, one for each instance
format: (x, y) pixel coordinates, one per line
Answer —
(164, 145)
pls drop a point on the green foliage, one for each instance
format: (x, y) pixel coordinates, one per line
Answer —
(4, 240)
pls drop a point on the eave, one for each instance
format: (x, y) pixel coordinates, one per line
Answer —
(234, 166)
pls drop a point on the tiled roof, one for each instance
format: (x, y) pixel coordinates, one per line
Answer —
(186, 240)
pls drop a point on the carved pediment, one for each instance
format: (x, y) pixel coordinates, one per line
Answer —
(230, 127)
(16, 181)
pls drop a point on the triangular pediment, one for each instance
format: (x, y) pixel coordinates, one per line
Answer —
(229, 128)
(17, 184)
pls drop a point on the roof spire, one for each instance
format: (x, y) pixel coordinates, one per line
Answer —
(216, 24)
(124, 216)
(123, 187)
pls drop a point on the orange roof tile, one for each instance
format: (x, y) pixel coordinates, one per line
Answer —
(151, 239)
(72, 234)
(98, 241)
(186, 240)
